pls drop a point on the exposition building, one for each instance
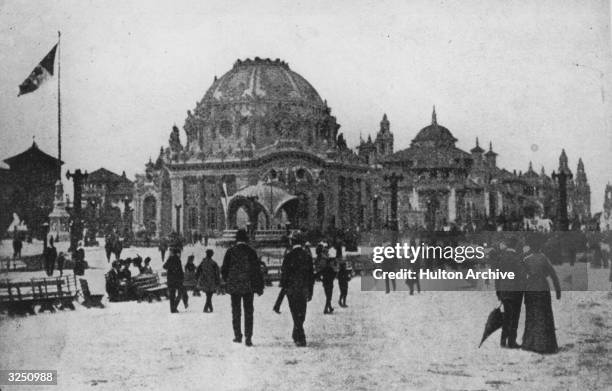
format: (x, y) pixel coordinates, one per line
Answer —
(263, 151)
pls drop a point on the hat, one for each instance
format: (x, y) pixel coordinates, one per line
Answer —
(242, 236)
(297, 238)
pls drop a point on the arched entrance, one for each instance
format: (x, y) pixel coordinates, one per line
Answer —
(149, 213)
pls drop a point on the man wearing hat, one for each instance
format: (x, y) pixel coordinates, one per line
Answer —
(297, 278)
(510, 291)
(243, 278)
(175, 278)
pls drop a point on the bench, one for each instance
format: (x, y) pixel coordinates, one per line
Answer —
(149, 287)
(17, 297)
(55, 290)
(89, 299)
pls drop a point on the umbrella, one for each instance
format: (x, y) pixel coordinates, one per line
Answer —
(494, 322)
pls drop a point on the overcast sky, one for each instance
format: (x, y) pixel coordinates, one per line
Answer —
(504, 71)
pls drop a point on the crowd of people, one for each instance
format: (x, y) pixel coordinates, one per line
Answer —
(242, 276)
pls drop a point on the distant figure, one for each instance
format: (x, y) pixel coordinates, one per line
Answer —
(61, 258)
(344, 276)
(125, 273)
(190, 278)
(50, 255)
(328, 275)
(297, 278)
(243, 278)
(175, 278)
(79, 260)
(112, 281)
(415, 267)
(539, 333)
(146, 269)
(163, 247)
(17, 246)
(108, 246)
(208, 278)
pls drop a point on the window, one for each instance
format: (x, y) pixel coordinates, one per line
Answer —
(193, 218)
(212, 218)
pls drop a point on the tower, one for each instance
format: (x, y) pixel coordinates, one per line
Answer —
(581, 197)
(491, 157)
(384, 138)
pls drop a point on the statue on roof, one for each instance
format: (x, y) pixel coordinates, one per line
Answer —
(175, 140)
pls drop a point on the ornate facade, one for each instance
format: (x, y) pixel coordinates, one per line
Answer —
(442, 184)
(263, 150)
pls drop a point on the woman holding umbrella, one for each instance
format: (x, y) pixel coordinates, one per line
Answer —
(539, 333)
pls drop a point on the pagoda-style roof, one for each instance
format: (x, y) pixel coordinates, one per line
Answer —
(32, 154)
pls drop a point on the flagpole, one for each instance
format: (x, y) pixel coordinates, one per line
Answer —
(59, 108)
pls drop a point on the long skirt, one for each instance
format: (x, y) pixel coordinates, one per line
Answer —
(539, 333)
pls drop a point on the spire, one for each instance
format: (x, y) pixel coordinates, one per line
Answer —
(385, 124)
(490, 153)
(477, 148)
(580, 165)
(434, 119)
(530, 166)
(542, 171)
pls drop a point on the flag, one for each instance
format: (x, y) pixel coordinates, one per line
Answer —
(41, 72)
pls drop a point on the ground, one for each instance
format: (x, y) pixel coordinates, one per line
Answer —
(389, 342)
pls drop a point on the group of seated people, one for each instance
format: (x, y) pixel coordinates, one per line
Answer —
(119, 278)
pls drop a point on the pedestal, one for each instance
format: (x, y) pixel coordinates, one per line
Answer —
(59, 219)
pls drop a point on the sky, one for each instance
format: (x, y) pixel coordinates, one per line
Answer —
(533, 77)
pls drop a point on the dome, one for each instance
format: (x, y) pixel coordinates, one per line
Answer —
(265, 79)
(434, 134)
(258, 104)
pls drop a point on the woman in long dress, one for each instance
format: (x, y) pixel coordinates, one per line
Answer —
(539, 333)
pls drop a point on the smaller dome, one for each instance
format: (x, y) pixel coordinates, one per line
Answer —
(434, 134)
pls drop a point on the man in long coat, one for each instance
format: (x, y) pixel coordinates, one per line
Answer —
(175, 278)
(297, 278)
(243, 278)
(510, 291)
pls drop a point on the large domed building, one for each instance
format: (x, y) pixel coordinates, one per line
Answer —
(262, 149)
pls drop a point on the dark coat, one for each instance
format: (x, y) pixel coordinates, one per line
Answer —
(175, 274)
(509, 261)
(297, 273)
(207, 275)
(344, 276)
(241, 271)
(327, 275)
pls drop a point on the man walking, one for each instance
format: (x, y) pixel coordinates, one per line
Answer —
(510, 291)
(50, 255)
(243, 278)
(297, 278)
(175, 278)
